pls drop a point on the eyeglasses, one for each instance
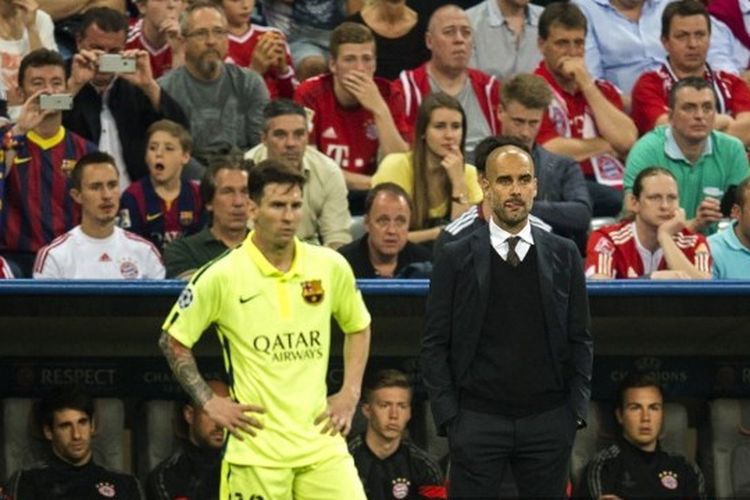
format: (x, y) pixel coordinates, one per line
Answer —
(203, 34)
(384, 222)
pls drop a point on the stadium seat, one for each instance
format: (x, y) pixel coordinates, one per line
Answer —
(357, 227)
(602, 429)
(155, 436)
(23, 442)
(730, 430)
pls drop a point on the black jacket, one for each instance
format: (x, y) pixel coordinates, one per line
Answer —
(54, 479)
(133, 114)
(189, 473)
(458, 302)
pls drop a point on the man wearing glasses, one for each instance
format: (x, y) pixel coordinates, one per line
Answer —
(384, 251)
(224, 102)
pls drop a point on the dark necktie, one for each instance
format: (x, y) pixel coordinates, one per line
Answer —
(512, 257)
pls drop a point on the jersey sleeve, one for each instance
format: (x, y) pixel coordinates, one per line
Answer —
(287, 82)
(197, 307)
(302, 95)
(696, 489)
(154, 267)
(702, 259)
(5, 270)
(46, 266)
(130, 215)
(648, 102)
(739, 167)
(740, 94)
(429, 479)
(348, 305)
(597, 479)
(396, 107)
(547, 130)
(600, 253)
(612, 93)
(21, 486)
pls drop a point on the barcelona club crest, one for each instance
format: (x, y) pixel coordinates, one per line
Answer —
(186, 217)
(312, 291)
(68, 166)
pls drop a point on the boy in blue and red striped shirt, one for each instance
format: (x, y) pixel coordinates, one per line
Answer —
(163, 206)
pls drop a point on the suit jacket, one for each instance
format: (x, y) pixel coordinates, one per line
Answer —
(133, 114)
(458, 301)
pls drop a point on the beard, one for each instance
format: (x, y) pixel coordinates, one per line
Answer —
(208, 63)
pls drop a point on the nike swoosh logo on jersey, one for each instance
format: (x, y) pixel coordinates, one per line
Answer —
(244, 300)
(152, 217)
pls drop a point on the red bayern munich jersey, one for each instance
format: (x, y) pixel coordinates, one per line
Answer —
(161, 58)
(613, 251)
(572, 126)
(348, 135)
(241, 53)
(5, 272)
(651, 95)
(38, 206)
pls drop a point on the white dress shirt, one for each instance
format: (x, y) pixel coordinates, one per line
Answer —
(499, 240)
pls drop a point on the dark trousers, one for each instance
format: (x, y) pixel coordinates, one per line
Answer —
(535, 448)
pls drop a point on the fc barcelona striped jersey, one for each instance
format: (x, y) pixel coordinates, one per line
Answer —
(38, 206)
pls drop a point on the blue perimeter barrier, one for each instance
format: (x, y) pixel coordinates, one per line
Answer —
(611, 288)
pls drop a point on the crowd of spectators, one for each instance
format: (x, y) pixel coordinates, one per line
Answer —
(360, 94)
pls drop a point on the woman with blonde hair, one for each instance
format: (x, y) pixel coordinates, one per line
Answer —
(434, 174)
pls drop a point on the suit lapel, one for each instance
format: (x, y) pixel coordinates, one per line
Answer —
(546, 261)
(480, 251)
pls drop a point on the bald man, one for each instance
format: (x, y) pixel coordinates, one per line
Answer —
(450, 39)
(508, 386)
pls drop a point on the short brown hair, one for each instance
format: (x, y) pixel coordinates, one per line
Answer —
(348, 32)
(530, 91)
(386, 378)
(37, 59)
(272, 172)
(175, 130)
(565, 14)
(95, 157)
(636, 380)
(682, 8)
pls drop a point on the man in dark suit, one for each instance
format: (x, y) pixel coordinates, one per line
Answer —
(507, 349)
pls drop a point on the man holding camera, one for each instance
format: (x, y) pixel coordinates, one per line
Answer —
(116, 96)
(38, 153)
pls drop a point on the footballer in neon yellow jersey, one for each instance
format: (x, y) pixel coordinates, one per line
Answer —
(271, 300)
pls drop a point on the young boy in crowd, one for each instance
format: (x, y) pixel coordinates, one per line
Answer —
(158, 33)
(259, 48)
(163, 206)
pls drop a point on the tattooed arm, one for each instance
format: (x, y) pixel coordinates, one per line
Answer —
(225, 412)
